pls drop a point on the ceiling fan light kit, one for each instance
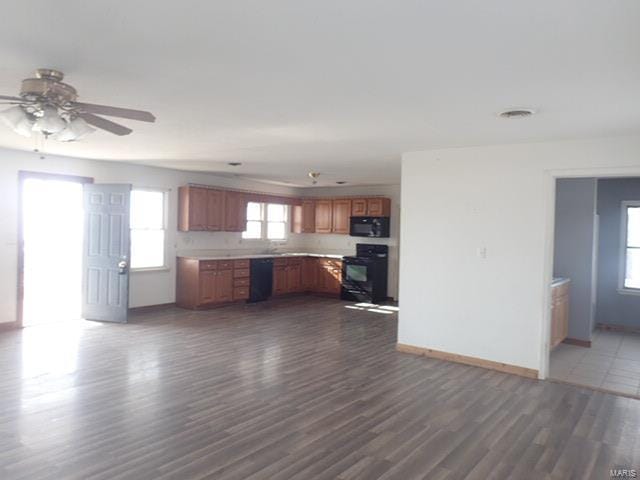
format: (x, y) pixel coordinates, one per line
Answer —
(47, 105)
(18, 120)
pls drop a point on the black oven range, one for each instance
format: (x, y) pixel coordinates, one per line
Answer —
(364, 277)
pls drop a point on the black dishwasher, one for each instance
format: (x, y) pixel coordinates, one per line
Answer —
(261, 279)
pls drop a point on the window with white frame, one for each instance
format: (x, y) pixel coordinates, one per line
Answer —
(147, 223)
(630, 251)
(266, 221)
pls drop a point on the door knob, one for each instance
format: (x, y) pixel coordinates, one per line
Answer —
(122, 267)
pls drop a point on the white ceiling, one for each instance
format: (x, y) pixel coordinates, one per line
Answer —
(341, 87)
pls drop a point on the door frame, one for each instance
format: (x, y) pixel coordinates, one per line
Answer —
(22, 176)
(550, 178)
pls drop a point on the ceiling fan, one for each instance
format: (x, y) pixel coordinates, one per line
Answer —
(49, 106)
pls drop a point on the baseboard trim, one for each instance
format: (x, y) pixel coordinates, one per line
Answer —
(6, 326)
(578, 342)
(473, 361)
(617, 328)
(151, 308)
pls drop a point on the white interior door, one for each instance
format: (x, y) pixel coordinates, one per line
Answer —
(106, 252)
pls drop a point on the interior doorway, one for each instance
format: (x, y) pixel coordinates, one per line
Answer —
(52, 227)
(594, 338)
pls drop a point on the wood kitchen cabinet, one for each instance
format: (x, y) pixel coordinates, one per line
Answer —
(294, 276)
(304, 217)
(341, 216)
(332, 216)
(378, 207)
(279, 279)
(207, 287)
(215, 210)
(224, 285)
(287, 275)
(359, 207)
(323, 216)
(559, 313)
(193, 209)
(235, 212)
(329, 276)
(371, 207)
(200, 209)
(207, 283)
(211, 209)
(309, 274)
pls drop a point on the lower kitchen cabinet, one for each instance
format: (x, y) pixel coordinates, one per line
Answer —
(279, 279)
(559, 313)
(206, 283)
(309, 276)
(287, 275)
(329, 276)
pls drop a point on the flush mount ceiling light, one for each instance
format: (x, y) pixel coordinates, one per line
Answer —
(47, 105)
(517, 113)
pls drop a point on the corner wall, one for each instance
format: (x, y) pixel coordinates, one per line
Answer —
(575, 247)
(459, 201)
(614, 308)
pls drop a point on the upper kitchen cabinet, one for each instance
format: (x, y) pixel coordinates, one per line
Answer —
(215, 210)
(308, 216)
(371, 207)
(378, 207)
(200, 209)
(323, 216)
(235, 218)
(304, 217)
(359, 207)
(192, 212)
(341, 215)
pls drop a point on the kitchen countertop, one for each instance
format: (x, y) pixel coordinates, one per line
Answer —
(233, 256)
(556, 282)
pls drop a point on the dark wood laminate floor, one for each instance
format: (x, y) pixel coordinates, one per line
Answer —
(301, 388)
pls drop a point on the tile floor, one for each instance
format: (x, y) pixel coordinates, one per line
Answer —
(612, 362)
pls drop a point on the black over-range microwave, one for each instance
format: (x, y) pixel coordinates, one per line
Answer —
(376, 227)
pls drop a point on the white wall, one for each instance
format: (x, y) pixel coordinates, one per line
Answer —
(345, 243)
(459, 200)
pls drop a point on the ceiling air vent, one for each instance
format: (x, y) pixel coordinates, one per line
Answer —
(516, 113)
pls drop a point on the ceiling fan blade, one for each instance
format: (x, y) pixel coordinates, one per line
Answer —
(139, 115)
(12, 99)
(105, 124)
